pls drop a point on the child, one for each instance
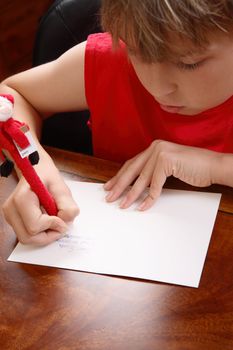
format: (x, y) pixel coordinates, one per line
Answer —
(161, 99)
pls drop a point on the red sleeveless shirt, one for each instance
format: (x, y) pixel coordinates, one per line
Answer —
(125, 118)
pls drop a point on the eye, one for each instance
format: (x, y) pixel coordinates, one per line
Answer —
(189, 66)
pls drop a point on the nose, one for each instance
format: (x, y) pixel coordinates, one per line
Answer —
(163, 82)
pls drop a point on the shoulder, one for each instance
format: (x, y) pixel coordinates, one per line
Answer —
(99, 46)
(105, 67)
(101, 42)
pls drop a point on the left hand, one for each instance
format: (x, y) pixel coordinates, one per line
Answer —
(195, 166)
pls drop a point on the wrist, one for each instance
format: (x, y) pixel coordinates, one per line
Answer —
(46, 166)
(223, 169)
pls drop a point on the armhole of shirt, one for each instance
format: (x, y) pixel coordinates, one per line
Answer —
(89, 71)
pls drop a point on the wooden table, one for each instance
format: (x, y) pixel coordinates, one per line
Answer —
(48, 308)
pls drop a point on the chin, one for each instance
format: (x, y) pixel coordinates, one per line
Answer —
(191, 111)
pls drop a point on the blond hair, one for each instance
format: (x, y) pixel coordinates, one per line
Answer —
(146, 25)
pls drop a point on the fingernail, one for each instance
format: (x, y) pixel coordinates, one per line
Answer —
(64, 234)
(63, 229)
(60, 237)
(142, 206)
(123, 203)
(109, 196)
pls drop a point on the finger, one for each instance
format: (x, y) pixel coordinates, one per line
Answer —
(34, 220)
(110, 183)
(126, 176)
(158, 179)
(139, 186)
(67, 207)
(120, 185)
(42, 238)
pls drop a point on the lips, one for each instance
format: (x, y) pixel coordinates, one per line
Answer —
(171, 109)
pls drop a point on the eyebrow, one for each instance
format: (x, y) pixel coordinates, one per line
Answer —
(189, 53)
(194, 52)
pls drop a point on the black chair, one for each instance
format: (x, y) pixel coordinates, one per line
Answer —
(65, 24)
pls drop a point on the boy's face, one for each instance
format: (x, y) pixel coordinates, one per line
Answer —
(193, 81)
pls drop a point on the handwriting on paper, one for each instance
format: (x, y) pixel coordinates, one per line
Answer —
(72, 242)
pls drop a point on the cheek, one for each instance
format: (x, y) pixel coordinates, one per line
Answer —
(145, 77)
(145, 74)
(207, 87)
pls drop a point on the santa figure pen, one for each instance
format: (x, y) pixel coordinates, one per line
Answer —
(16, 139)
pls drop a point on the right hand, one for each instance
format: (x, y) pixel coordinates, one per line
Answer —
(30, 223)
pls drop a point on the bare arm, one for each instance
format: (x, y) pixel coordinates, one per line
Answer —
(223, 174)
(50, 88)
(39, 92)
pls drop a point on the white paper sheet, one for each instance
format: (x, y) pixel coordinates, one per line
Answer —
(167, 243)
